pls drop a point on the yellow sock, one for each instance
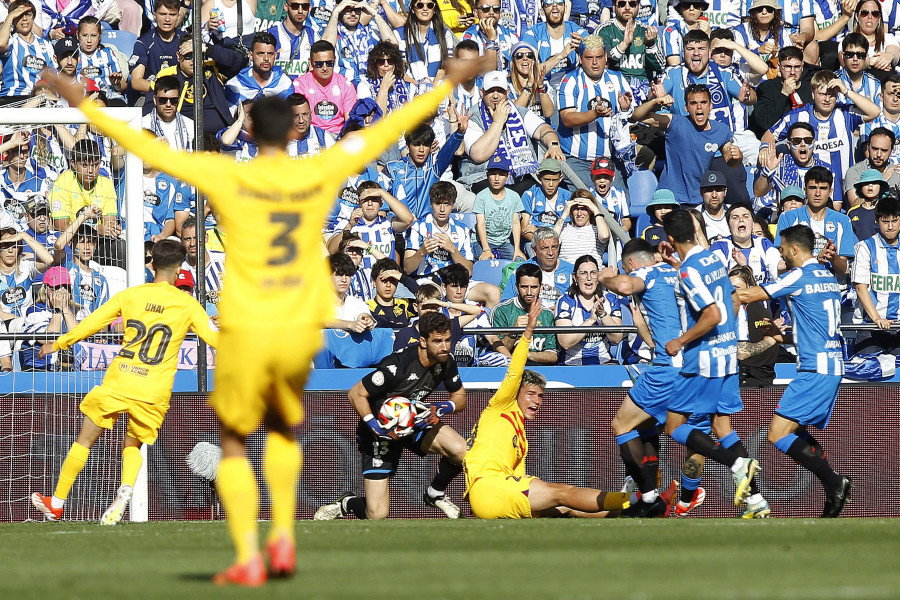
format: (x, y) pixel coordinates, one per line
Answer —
(282, 469)
(71, 467)
(615, 501)
(131, 464)
(240, 497)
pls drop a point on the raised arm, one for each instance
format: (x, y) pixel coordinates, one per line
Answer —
(509, 388)
(105, 314)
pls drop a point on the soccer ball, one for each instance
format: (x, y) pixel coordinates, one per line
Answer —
(397, 415)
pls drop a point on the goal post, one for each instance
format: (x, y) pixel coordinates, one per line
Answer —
(59, 385)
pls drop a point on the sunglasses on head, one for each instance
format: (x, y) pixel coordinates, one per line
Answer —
(323, 63)
(166, 100)
(421, 5)
(299, 6)
(521, 55)
(858, 55)
(487, 9)
(870, 13)
(796, 141)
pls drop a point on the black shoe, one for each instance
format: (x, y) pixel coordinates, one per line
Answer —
(645, 510)
(837, 498)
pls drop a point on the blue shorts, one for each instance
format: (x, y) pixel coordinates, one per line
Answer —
(653, 389)
(697, 395)
(809, 399)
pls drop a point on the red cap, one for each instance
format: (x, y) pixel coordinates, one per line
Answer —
(185, 279)
(602, 166)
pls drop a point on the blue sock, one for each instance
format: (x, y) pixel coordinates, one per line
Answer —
(626, 437)
(682, 432)
(730, 440)
(785, 443)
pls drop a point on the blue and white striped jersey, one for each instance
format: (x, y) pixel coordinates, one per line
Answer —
(361, 285)
(315, 141)
(459, 234)
(353, 49)
(877, 265)
(292, 51)
(814, 303)
(505, 38)
(834, 136)
(538, 37)
(704, 282)
(244, 87)
(379, 233)
(37, 181)
(788, 172)
(868, 87)
(835, 227)
(744, 36)
(762, 256)
(792, 11)
(543, 212)
(593, 349)
(826, 13)
(672, 39)
(725, 13)
(99, 66)
(615, 202)
(424, 65)
(659, 306)
(215, 274)
(90, 288)
(724, 87)
(23, 62)
(15, 287)
(580, 92)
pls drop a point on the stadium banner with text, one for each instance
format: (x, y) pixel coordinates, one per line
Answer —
(570, 442)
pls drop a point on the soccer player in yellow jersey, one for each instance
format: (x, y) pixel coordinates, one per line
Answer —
(496, 482)
(279, 289)
(138, 383)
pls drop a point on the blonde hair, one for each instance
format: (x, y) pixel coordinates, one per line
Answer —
(821, 78)
(591, 42)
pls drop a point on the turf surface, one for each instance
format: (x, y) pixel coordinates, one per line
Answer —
(434, 559)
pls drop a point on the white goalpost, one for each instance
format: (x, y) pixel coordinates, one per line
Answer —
(40, 408)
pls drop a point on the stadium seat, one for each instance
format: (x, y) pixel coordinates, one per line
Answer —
(467, 219)
(641, 186)
(642, 223)
(489, 271)
(123, 41)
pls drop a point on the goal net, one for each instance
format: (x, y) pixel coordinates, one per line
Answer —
(72, 191)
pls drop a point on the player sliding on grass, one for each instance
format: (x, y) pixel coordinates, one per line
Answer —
(273, 210)
(138, 383)
(496, 483)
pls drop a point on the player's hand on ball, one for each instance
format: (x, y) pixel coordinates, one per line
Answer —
(426, 416)
(377, 429)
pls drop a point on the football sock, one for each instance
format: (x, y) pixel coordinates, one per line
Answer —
(447, 470)
(701, 443)
(131, 465)
(733, 441)
(355, 505)
(614, 501)
(806, 455)
(805, 435)
(688, 487)
(650, 438)
(631, 448)
(71, 467)
(282, 472)
(240, 498)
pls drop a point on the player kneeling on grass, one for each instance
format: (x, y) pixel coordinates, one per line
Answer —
(412, 373)
(496, 483)
(157, 317)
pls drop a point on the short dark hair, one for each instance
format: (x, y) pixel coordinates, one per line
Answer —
(341, 264)
(721, 33)
(467, 44)
(168, 253)
(637, 246)
(679, 225)
(800, 125)
(736, 206)
(170, 4)
(85, 149)
(166, 83)
(423, 135)
(84, 231)
(442, 192)
(383, 264)
(800, 235)
(694, 35)
(455, 274)
(888, 206)
(272, 120)
(367, 185)
(321, 46)
(883, 131)
(191, 221)
(819, 174)
(764, 224)
(433, 322)
(696, 88)
(528, 270)
(17, 3)
(86, 21)
(263, 37)
(296, 99)
(855, 39)
(790, 53)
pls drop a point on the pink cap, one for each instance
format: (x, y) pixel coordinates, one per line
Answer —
(56, 276)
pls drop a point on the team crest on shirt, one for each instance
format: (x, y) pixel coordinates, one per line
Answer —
(378, 378)
(34, 63)
(560, 278)
(830, 227)
(515, 442)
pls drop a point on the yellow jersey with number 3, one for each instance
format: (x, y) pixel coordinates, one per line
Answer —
(156, 317)
(273, 210)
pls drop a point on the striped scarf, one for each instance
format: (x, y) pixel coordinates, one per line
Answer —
(514, 144)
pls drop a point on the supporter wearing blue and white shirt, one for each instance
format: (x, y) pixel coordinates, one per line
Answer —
(424, 56)
(214, 261)
(262, 77)
(440, 238)
(18, 273)
(353, 41)
(834, 237)
(590, 100)
(584, 305)
(876, 269)
(889, 117)
(24, 55)
(37, 217)
(371, 227)
(546, 200)
(499, 38)
(743, 248)
(162, 197)
(314, 141)
(550, 38)
(611, 197)
(774, 174)
(556, 274)
(22, 178)
(294, 37)
(834, 123)
(99, 62)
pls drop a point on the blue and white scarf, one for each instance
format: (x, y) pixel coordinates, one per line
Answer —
(398, 95)
(181, 129)
(68, 21)
(514, 144)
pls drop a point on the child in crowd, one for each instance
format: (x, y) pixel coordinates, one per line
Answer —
(544, 202)
(429, 298)
(99, 63)
(497, 209)
(661, 203)
(387, 310)
(612, 198)
(870, 188)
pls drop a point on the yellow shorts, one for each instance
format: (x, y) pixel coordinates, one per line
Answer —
(258, 372)
(144, 418)
(501, 497)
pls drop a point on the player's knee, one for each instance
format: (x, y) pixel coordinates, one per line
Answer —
(376, 512)
(774, 436)
(617, 426)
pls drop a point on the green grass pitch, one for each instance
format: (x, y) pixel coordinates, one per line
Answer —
(469, 559)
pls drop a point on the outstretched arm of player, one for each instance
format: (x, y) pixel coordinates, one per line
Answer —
(94, 322)
(509, 388)
(753, 294)
(351, 155)
(623, 285)
(196, 169)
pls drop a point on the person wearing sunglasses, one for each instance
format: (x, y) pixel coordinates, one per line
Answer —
(384, 80)
(853, 61)
(884, 46)
(263, 77)
(425, 40)
(331, 96)
(527, 84)
(166, 121)
(634, 49)
(765, 32)
(555, 40)
(691, 12)
(294, 36)
(355, 28)
(778, 170)
(493, 37)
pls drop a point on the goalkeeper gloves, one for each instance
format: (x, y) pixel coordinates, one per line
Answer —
(376, 427)
(444, 408)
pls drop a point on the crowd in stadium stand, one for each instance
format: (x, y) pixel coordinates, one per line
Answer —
(601, 117)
